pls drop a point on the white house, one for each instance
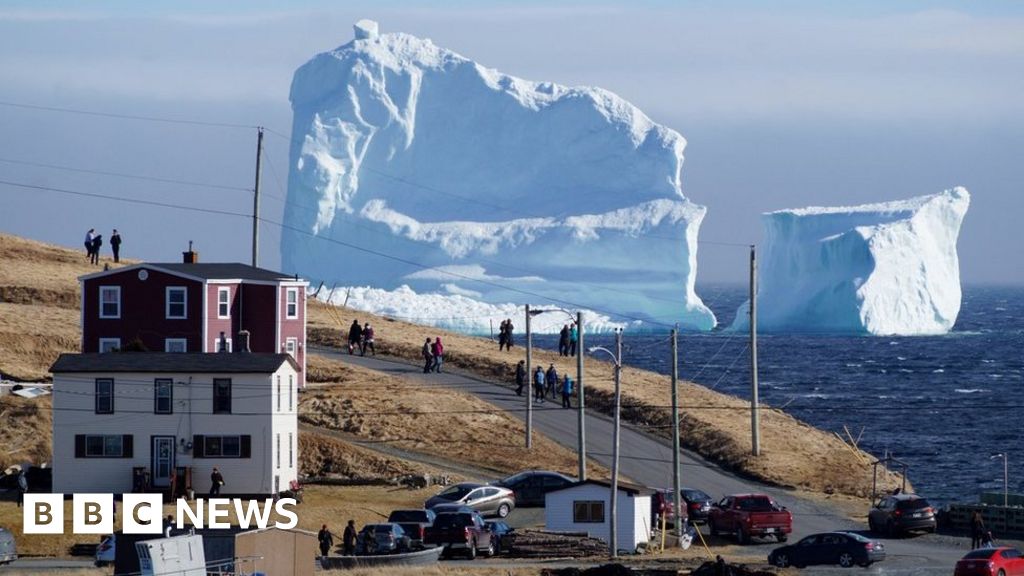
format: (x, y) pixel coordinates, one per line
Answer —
(585, 507)
(121, 417)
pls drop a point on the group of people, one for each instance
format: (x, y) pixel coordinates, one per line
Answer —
(433, 355)
(505, 340)
(568, 338)
(94, 241)
(360, 338)
(545, 383)
(348, 539)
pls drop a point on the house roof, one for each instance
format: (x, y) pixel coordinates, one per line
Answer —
(627, 487)
(205, 271)
(224, 363)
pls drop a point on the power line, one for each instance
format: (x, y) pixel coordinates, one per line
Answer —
(123, 175)
(127, 116)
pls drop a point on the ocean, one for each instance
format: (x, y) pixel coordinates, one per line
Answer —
(941, 404)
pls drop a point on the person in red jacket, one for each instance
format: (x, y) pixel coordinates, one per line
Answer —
(437, 350)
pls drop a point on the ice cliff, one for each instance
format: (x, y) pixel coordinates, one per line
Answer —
(889, 268)
(413, 166)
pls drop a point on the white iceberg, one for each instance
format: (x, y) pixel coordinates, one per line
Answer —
(412, 165)
(884, 269)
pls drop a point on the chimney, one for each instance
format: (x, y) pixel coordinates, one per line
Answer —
(223, 347)
(243, 342)
(190, 257)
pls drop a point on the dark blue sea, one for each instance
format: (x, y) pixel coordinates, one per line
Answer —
(943, 404)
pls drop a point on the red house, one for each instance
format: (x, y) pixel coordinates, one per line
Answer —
(187, 307)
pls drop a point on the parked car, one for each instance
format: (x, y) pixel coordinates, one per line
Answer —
(8, 548)
(384, 538)
(530, 487)
(451, 507)
(414, 522)
(696, 502)
(461, 531)
(105, 552)
(489, 500)
(1000, 561)
(901, 513)
(504, 535)
(843, 548)
(747, 515)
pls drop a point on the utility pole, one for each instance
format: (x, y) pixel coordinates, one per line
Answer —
(675, 434)
(529, 380)
(581, 436)
(755, 417)
(613, 539)
(256, 200)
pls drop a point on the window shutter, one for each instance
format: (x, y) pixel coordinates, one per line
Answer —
(197, 446)
(126, 446)
(245, 446)
(79, 445)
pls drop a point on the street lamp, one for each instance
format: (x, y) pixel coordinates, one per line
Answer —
(1006, 477)
(614, 512)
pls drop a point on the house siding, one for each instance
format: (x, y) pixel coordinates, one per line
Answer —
(633, 529)
(216, 325)
(294, 327)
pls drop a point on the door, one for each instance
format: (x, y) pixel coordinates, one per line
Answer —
(162, 461)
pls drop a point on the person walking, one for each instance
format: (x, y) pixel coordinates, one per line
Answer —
(355, 337)
(326, 540)
(89, 237)
(551, 379)
(428, 356)
(566, 391)
(574, 337)
(115, 245)
(22, 487)
(368, 340)
(977, 529)
(520, 377)
(502, 335)
(348, 539)
(563, 341)
(538, 385)
(216, 481)
(97, 243)
(437, 351)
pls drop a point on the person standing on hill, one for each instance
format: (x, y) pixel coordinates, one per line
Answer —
(97, 243)
(115, 245)
(563, 341)
(428, 356)
(437, 351)
(520, 377)
(977, 529)
(551, 379)
(574, 337)
(348, 539)
(355, 337)
(566, 391)
(368, 340)
(538, 385)
(509, 342)
(326, 540)
(89, 237)
(502, 335)
(22, 487)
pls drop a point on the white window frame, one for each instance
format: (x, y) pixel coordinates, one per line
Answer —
(216, 344)
(117, 290)
(168, 342)
(291, 392)
(279, 393)
(291, 346)
(115, 342)
(291, 450)
(184, 302)
(291, 309)
(278, 451)
(224, 292)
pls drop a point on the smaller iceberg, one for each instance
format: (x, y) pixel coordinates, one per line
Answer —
(881, 269)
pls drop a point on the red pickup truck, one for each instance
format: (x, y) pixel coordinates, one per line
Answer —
(747, 515)
(464, 531)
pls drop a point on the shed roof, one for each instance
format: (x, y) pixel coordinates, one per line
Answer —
(627, 487)
(233, 363)
(205, 271)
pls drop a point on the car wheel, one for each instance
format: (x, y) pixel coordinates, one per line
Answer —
(490, 549)
(741, 536)
(782, 536)
(781, 560)
(846, 560)
(471, 553)
(503, 510)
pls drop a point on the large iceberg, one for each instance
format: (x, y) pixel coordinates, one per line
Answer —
(889, 268)
(411, 165)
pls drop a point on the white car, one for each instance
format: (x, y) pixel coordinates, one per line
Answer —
(105, 551)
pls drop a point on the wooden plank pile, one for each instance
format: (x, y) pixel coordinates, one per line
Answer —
(542, 544)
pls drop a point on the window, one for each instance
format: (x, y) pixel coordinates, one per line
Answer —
(278, 451)
(110, 301)
(291, 389)
(223, 302)
(291, 450)
(278, 392)
(233, 446)
(109, 345)
(222, 396)
(588, 511)
(290, 344)
(104, 395)
(103, 446)
(176, 345)
(176, 308)
(292, 303)
(163, 396)
(217, 342)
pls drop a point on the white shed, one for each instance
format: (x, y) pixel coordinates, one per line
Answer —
(585, 507)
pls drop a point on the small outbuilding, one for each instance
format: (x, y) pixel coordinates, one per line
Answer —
(584, 507)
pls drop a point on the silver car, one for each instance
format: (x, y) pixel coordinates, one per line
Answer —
(487, 500)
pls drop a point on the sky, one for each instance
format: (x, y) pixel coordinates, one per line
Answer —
(805, 103)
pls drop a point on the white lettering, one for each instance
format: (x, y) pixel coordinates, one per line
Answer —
(280, 508)
(43, 514)
(183, 510)
(141, 513)
(219, 508)
(252, 512)
(92, 513)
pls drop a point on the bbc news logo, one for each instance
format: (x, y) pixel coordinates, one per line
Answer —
(143, 513)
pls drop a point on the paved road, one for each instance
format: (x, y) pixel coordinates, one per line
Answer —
(36, 565)
(647, 460)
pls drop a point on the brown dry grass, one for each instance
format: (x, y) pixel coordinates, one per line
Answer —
(25, 429)
(321, 455)
(713, 424)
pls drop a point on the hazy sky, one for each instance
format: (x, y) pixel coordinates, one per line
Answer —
(807, 103)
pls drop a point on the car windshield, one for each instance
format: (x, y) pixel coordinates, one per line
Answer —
(455, 492)
(856, 537)
(913, 504)
(382, 528)
(695, 495)
(755, 504)
(452, 520)
(408, 516)
(512, 479)
(979, 554)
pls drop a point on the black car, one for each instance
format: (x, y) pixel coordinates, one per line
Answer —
(698, 504)
(503, 535)
(901, 513)
(843, 548)
(531, 486)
